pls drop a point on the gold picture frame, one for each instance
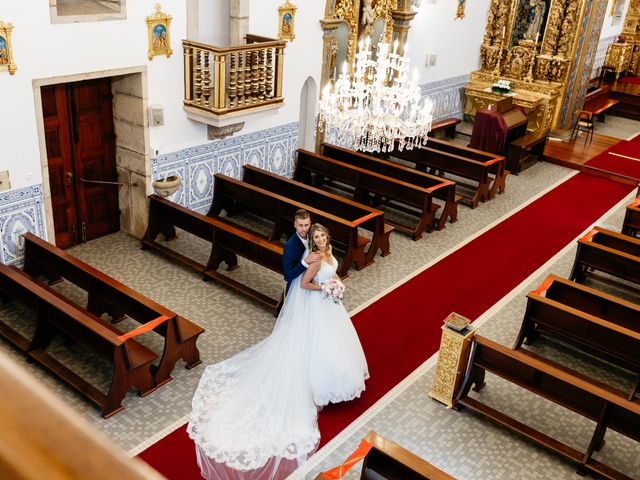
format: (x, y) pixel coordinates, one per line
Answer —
(6, 52)
(286, 19)
(158, 32)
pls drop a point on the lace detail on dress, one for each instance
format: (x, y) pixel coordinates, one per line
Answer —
(216, 383)
(325, 400)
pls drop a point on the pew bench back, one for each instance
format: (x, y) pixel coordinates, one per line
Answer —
(604, 405)
(108, 295)
(55, 314)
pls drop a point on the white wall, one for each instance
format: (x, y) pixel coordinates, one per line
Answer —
(303, 56)
(213, 24)
(42, 50)
(455, 42)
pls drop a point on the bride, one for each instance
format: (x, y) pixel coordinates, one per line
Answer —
(255, 414)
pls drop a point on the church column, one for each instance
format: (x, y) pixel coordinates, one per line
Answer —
(402, 17)
(238, 21)
(579, 74)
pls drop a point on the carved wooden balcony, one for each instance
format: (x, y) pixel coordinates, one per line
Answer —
(226, 85)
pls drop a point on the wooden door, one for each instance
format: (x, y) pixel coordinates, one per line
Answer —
(80, 140)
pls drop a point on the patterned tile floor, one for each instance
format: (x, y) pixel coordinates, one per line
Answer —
(467, 446)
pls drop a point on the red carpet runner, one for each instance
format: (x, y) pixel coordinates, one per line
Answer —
(634, 80)
(616, 163)
(402, 329)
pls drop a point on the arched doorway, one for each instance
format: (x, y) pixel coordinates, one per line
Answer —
(307, 124)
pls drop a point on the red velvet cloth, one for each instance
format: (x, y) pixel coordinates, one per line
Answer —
(489, 131)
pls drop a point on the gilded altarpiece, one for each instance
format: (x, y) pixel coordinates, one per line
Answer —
(631, 34)
(531, 43)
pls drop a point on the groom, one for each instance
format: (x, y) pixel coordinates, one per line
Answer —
(293, 265)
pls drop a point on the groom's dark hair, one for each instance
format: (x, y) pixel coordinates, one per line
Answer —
(301, 214)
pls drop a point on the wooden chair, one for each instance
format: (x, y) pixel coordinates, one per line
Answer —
(584, 122)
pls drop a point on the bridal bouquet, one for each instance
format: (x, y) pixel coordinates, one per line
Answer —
(333, 290)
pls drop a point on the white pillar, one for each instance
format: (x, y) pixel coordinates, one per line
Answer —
(238, 21)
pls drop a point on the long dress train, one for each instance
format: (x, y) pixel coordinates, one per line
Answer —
(255, 414)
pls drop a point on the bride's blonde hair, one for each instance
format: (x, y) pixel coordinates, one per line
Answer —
(315, 227)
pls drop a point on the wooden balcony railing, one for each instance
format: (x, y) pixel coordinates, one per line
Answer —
(226, 80)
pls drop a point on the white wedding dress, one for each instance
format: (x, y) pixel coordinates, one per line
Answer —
(255, 415)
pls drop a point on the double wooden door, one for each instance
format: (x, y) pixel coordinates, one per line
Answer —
(80, 141)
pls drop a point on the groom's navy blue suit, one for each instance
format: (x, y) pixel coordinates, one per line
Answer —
(291, 256)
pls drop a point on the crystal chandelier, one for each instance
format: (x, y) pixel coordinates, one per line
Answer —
(377, 105)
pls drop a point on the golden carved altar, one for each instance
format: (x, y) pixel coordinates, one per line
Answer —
(631, 35)
(452, 360)
(535, 105)
(618, 58)
(532, 44)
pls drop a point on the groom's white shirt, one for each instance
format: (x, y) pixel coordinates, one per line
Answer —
(306, 250)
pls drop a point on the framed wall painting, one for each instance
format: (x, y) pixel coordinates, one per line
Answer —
(6, 52)
(71, 11)
(158, 32)
(286, 18)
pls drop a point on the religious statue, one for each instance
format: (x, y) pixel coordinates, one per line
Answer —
(366, 18)
(534, 19)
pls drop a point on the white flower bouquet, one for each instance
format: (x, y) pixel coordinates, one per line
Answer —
(333, 290)
(502, 86)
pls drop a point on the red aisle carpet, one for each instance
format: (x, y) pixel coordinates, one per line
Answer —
(402, 329)
(610, 160)
(634, 80)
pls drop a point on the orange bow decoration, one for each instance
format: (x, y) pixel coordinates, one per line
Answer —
(365, 218)
(355, 457)
(544, 286)
(144, 328)
(589, 236)
(492, 161)
(440, 185)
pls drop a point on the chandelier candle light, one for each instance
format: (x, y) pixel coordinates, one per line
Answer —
(377, 105)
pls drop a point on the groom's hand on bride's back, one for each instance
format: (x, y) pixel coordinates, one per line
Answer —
(313, 257)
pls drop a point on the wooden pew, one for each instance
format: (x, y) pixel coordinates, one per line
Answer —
(598, 102)
(600, 323)
(107, 295)
(311, 167)
(607, 251)
(56, 315)
(604, 405)
(631, 223)
(445, 191)
(373, 219)
(447, 126)
(524, 151)
(228, 241)
(388, 460)
(496, 162)
(427, 158)
(230, 192)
